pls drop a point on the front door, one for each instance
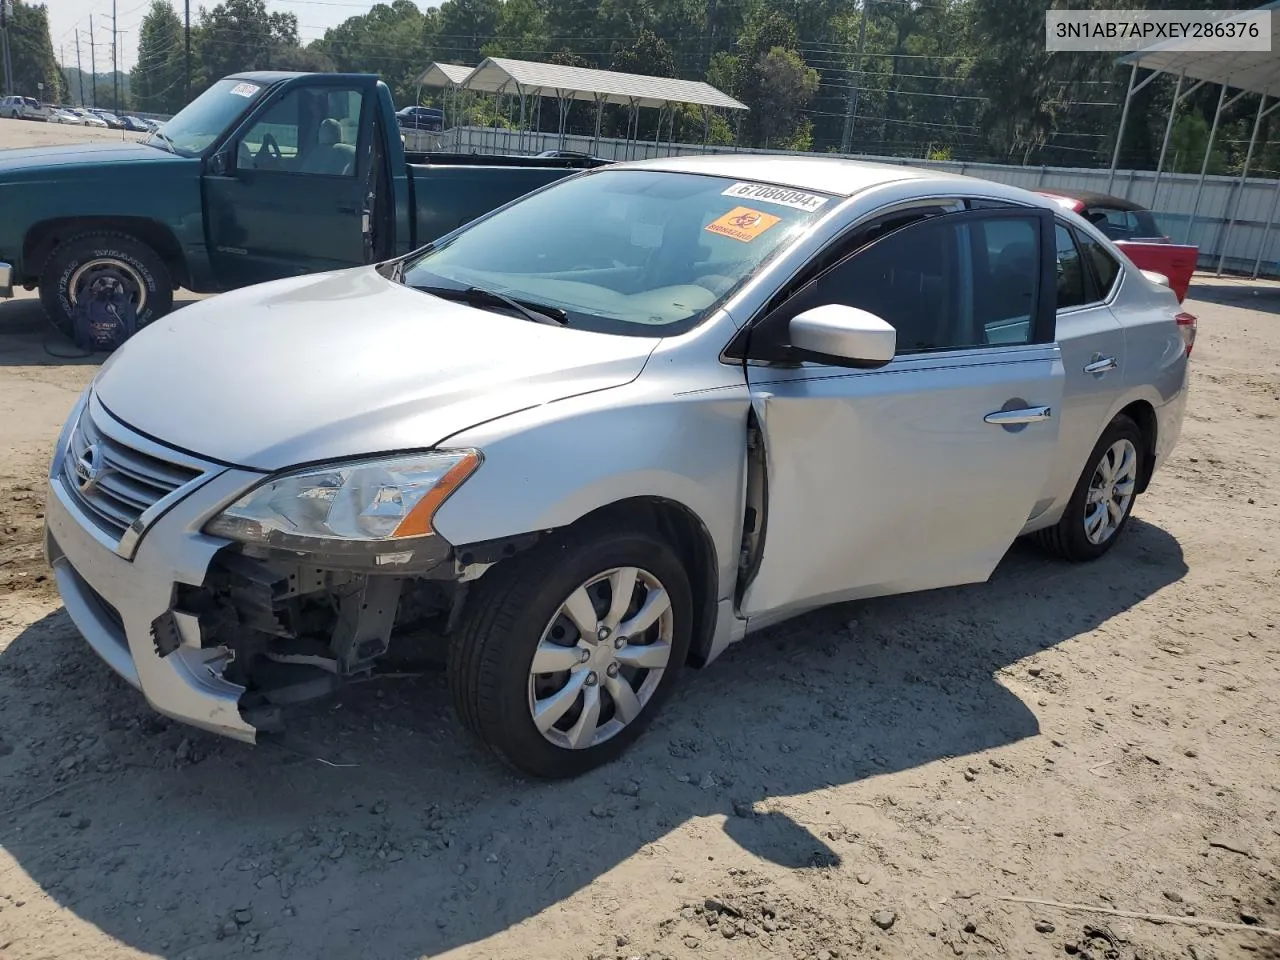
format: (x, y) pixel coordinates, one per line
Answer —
(294, 197)
(921, 473)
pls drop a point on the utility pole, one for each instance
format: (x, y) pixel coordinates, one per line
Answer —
(115, 72)
(851, 105)
(187, 38)
(6, 12)
(93, 63)
(79, 71)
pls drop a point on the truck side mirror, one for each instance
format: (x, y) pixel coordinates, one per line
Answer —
(219, 164)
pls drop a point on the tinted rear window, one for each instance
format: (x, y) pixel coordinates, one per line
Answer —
(1105, 267)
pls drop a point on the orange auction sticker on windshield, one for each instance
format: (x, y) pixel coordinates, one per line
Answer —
(743, 223)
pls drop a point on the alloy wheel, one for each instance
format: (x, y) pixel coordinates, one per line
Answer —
(601, 658)
(1111, 491)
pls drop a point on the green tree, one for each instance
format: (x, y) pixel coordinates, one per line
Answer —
(35, 70)
(769, 43)
(390, 40)
(158, 79)
(1187, 142)
(648, 54)
(240, 35)
(465, 27)
(521, 31)
(785, 87)
(572, 26)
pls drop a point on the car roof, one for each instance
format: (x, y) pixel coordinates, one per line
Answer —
(834, 175)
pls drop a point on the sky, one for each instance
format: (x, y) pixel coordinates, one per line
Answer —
(65, 16)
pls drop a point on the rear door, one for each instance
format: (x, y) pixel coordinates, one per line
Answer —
(1092, 341)
(921, 473)
(295, 195)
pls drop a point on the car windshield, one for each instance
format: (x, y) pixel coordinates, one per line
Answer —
(637, 252)
(201, 121)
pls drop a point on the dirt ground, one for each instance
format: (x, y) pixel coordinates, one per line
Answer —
(877, 779)
(29, 133)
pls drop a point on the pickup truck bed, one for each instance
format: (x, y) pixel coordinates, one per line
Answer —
(448, 190)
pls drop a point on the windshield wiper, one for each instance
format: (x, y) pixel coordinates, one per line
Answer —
(165, 139)
(477, 296)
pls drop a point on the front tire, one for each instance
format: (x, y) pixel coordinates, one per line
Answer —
(75, 262)
(569, 650)
(1102, 501)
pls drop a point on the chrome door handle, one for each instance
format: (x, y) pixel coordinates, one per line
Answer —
(1006, 418)
(1101, 364)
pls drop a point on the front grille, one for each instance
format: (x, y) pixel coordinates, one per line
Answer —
(128, 481)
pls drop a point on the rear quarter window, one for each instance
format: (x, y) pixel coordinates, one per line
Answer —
(1105, 267)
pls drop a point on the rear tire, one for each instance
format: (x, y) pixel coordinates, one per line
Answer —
(518, 609)
(1095, 515)
(140, 268)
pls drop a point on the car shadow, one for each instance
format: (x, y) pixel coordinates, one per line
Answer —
(374, 829)
(28, 339)
(1260, 295)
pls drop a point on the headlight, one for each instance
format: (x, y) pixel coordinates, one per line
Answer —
(372, 501)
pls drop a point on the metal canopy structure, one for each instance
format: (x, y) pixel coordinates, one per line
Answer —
(1255, 73)
(530, 82)
(527, 77)
(447, 75)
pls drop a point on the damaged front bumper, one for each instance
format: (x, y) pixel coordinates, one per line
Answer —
(116, 602)
(211, 634)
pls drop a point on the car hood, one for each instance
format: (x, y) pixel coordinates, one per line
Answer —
(80, 155)
(344, 364)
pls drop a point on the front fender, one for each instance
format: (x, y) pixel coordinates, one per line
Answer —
(547, 467)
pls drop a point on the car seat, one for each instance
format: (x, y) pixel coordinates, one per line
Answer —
(330, 155)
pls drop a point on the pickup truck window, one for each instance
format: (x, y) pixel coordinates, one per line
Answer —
(201, 121)
(310, 130)
(636, 252)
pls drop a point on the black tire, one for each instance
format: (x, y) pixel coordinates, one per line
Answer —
(507, 612)
(1067, 538)
(62, 263)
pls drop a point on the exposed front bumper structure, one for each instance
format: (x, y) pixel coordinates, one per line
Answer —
(116, 603)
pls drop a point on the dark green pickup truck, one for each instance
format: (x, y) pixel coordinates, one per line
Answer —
(263, 176)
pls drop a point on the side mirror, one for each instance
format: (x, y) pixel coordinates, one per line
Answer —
(843, 336)
(219, 164)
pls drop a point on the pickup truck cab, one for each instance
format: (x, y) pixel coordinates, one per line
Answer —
(263, 176)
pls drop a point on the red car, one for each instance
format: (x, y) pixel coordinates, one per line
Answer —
(1134, 230)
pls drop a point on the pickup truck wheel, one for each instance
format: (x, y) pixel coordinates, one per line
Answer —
(1102, 501)
(569, 650)
(75, 263)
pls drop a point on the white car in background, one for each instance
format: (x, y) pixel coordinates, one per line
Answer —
(23, 108)
(64, 115)
(88, 119)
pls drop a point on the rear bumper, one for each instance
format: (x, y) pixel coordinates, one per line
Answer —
(6, 279)
(114, 602)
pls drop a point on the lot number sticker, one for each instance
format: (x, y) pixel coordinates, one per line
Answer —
(782, 196)
(743, 223)
(245, 89)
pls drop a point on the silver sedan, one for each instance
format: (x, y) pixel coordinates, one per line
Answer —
(605, 432)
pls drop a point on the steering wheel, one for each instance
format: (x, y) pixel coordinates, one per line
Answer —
(270, 148)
